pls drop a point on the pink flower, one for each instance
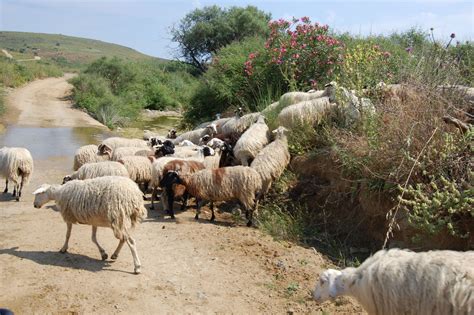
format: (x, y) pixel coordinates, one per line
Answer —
(296, 56)
(305, 19)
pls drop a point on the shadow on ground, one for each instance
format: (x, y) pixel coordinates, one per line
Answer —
(66, 260)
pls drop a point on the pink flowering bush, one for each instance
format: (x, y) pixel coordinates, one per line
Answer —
(305, 53)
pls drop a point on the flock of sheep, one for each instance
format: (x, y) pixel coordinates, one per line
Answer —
(238, 158)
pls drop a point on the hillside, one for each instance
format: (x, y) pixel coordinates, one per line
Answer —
(64, 50)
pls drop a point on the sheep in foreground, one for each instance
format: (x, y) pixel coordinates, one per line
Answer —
(98, 169)
(169, 194)
(113, 143)
(404, 282)
(251, 142)
(139, 169)
(237, 125)
(195, 135)
(111, 201)
(222, 184)
(16, 164)
(306, 112)
(90, 154)
(272, 160)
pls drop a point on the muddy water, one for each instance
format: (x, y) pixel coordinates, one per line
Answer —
(45, 143)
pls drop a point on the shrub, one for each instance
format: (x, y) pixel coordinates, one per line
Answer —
(305, 53)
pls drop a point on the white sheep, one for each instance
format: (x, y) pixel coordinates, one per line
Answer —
(139, 169)
(404, 282)
(215, 143)
(272, 160)
(221, 184)
(16, 164)
(251, 142)
(219, 122)
(116, 142)
(89, 154)
(121, 152)
(237, 124)
(98, 169)
(186, 143)
(306, 112)
(213, 160)
(148, 135)
(111, 201)
(195, 135)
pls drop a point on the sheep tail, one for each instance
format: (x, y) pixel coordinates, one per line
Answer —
(138, 215)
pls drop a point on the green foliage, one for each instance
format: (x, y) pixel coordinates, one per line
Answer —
(365, 65)
(115, 91)
(443, 197)
(2, 102)
(205, 31)
(14, 74)
(225, 84)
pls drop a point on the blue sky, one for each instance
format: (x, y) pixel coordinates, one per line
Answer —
(144, 24)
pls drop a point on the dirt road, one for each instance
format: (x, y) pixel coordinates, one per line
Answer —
(44, 103)
(188, 266)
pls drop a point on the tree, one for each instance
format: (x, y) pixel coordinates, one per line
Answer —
(203, 32)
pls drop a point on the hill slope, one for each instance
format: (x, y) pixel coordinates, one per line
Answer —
(62, 49)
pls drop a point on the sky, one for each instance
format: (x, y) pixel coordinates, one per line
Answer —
(144, 24)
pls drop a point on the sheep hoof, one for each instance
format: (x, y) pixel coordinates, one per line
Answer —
(104, 256)
(212, 219)
(249, 223)
(196, 217)
(137, 270)
(17, 198)
(172, 216)
(114, 257)
(63, 251)
(5, 191)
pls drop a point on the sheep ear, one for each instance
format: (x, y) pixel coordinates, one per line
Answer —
(151, 158)
(40, 190)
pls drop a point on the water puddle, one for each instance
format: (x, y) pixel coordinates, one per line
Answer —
(44, 143)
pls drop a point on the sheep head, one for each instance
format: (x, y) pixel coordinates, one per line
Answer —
(212, 128)
(170, 178)
(280, 131)
(66, 179)
(42, 195)
(329, 286)
(172, 134)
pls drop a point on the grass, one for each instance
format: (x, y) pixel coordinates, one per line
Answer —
(66, 51)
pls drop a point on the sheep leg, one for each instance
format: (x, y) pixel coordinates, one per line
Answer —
(21, 187)
(6, 187)
(68, 235)
(213, 217)
(103, 254)
(117, 250)
(153, 197)
(250, 218)
(198, 209)
(170, 199)
(185, 201)
(133, 248)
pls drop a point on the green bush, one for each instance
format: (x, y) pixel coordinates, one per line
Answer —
(14, 74)
(225, 85)
(115, 91)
